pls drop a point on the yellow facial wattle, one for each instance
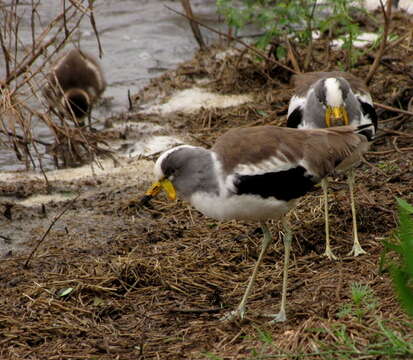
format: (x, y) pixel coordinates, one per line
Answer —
(334, 114)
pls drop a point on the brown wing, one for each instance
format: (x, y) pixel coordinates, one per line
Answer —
(77, 69)
(319, 151)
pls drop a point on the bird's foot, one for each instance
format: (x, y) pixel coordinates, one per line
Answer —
(357, 250)
(238, 313)
(330, 254)
(276, 318)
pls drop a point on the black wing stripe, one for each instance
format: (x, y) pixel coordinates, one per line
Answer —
(282, 185)
(295, 118)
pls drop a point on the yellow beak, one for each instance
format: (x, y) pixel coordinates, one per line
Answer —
(162, 184)
(334, 113)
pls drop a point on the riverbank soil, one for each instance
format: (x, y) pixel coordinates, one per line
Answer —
(115, 281)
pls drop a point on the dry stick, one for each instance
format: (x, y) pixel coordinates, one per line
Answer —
(15, 31)
(398, 133)
(5, 54)
(39, 156)
(388, 151)
(379, 55)
(230, 37)
(41, 49)
(194, 26)
(48, 230)
(391, 108)
(292, 57)
(130, 101)
(310, 30)
(64, 19)
(196, 311)
(93, 23)
(33, 27)
(27, 61)
(22, 139)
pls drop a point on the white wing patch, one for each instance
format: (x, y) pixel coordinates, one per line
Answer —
(273, 164)
(364, 97)
(295, 102)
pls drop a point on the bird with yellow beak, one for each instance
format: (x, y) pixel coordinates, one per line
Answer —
(256, 174)
(326, 99)
(158, 186)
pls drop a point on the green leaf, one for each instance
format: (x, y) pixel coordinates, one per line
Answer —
(264, 336)
(405, 205)
(64, 292)
(405, 293)
(281, 52)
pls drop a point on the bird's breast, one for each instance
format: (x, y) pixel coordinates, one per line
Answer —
(240, 207)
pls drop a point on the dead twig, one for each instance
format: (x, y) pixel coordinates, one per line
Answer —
(398, 133)
(67, 207)
(292, 56)
(409, 148)
(196, 311)
(194, 26)
(93, 23)
(387, 21)
(391, 108)
(23, 140)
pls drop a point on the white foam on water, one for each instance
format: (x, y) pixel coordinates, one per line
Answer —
(192, 100)
(145, 127)
(151, 145)
(361, 41)
(406, 5)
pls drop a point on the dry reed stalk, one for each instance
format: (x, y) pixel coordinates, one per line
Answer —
(387, 22)
(186, 4)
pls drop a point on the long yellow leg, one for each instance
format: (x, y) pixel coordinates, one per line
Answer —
(357, 249)
(240, 310)
(327, 252)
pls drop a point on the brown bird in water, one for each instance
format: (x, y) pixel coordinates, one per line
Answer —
(75, 82)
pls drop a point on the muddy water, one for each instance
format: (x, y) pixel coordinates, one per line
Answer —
(140, 38)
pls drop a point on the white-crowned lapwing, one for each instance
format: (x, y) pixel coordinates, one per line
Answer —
(324, 99)
(256, 174)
